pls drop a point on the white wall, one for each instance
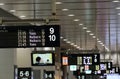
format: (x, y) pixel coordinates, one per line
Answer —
(7, 63)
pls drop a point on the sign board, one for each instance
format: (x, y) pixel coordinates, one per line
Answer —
(24, 73)
(49, 74)
(81, 59)
(29, 36)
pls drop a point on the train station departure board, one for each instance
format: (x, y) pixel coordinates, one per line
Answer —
(29, 36)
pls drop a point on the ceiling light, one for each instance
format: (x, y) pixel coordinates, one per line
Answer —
(2, 4)
(12, 10)
(64, 9)
(72, 44)
(94, 36)
(71, 15)
(88, 31)
(84, 28)
(75, 45)
(99, 41)
(117, 7)
(61, 37)
(103, 45)
(22, 16)
(68, 42)
(118, 13)
(116, 1)
(76, 19)
(64, 39)
(58, 2)
(81, 24)
(91, 34)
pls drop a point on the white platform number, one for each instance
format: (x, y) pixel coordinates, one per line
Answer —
(26, 73)
(52, 36)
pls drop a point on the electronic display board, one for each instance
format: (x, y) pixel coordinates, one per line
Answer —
(29, 36)
(80, 59)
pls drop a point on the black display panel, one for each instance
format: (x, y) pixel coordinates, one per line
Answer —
(24, 73)
(29, 36)
(80, 59)
(40, 58)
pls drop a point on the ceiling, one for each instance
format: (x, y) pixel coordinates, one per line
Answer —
(92, 23)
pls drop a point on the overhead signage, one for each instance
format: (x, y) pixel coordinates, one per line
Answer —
(24, 73)
(49, 74)
(81, 59)
(29, 36)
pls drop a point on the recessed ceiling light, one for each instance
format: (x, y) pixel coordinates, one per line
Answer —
(76, 20)
(68, 42)
(72, 44)
(81, 24)
(61, 37)
(71, 15)
(22, 16)
(58, 2)
(64, 9)
(12, 10)
(94, 36)
(116, 1)
(64, 39)
(91, 34)
(117, 7)
(2, 4)
(118, 13)
(103, 45)
(88, 31)
(99, 41)
(84, 28)
(75, 45)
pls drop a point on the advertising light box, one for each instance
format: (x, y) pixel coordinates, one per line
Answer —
(41, 58)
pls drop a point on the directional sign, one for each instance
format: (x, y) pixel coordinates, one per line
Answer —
(29, 36)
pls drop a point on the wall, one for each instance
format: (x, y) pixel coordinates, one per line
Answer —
(7, 63)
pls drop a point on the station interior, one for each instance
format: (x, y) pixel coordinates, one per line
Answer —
(86, 29)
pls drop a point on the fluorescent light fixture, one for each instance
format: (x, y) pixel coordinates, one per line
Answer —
(103, 45)
(64, 9)
(76, 20)
(80, 24)
(88, 31)
(12, 10)
(117, 7)
(116, 1)
(64, 39)
(99, 41)
(91, 34)
(78, 47)
(68, 42)
(94, 36)
(22, 16)
(71, 15)
(72, 44)
(61, 37)
(84, 28)
(75, 45)
(118, 13)
(2, 4)
(58, 2)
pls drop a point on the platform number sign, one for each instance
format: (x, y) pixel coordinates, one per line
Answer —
(49, 74)
(52, 36)
(24, 73)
